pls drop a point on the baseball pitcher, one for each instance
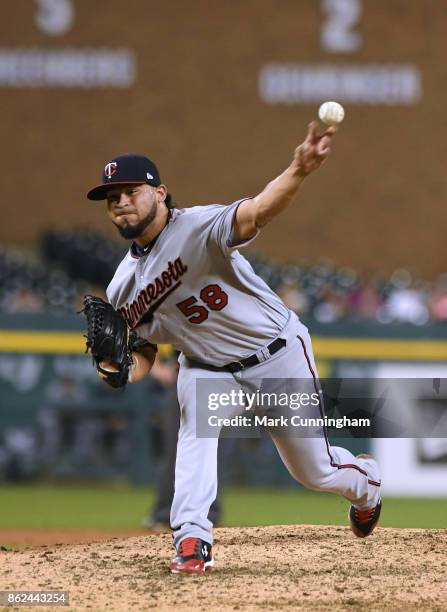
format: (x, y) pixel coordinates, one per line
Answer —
(184, 282)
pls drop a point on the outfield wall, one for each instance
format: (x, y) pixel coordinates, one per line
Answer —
(219, 95)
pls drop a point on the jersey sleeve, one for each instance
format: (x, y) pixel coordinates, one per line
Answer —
(143, 332)
(109, 296)
(223, 227)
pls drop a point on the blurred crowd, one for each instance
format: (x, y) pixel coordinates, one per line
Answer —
(69, 264)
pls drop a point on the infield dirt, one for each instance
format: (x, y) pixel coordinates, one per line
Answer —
(261, 568)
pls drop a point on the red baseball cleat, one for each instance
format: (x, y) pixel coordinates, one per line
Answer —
(194, 556)
(362, 522)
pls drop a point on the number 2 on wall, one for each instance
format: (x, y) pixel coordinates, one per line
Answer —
(337, 35)
(212, 295)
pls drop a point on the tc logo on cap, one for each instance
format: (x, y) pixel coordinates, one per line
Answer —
(110, 169)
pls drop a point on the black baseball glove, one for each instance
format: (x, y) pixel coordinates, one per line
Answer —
(109, 338)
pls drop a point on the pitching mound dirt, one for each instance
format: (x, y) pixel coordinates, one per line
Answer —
(25, 538)
(268, 568)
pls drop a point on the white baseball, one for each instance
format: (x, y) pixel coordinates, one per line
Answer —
(331, 113)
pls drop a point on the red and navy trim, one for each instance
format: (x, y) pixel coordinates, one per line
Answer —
(339, 466)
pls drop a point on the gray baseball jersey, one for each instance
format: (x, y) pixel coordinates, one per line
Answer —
(194, 290)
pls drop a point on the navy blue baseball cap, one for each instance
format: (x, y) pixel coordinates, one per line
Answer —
(126, 169)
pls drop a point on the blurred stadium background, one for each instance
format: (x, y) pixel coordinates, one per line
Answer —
(218, 94)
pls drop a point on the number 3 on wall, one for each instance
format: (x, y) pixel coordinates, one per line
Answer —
(337, 35)
(213, 296)
(54, 17)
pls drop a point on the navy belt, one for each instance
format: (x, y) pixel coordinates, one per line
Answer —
(248, 362)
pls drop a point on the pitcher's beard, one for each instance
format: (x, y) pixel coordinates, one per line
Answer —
(130, 232)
